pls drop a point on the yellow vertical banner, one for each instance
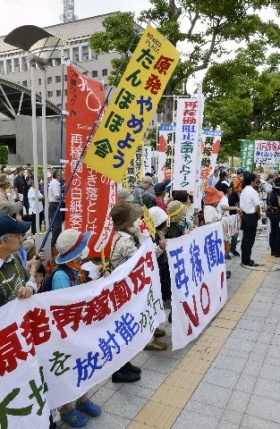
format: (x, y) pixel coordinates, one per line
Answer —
(133, 105)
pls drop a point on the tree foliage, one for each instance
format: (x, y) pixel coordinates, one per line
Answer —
(4, 154)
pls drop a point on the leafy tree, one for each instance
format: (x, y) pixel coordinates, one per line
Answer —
(243, 97)
(4, 154)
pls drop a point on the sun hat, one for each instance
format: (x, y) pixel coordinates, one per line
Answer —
(159, 216)
(4, 179)
(8, 225)
(70, 244)
(13, 169)
(212, 195)
(125, 195)
(124, 214)
(10, 208)
(176, 211)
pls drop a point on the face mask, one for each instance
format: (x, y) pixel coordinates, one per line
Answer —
(85, 253)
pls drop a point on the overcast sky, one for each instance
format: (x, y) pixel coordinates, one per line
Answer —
(14, 13)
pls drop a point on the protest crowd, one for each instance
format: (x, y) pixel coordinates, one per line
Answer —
(241, 200)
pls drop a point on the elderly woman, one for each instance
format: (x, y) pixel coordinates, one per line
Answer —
(72, 248)
(4, 186)
(177, 215)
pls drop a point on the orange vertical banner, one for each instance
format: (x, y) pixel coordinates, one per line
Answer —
(91, 195)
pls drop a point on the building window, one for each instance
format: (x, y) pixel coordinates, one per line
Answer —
(65, 92)
(94, 73)
(50, 94)
(24, 83)
(58, 93)
(65, 78)
(49, 80)
(104, 72)
(58, 79)
(39, 81)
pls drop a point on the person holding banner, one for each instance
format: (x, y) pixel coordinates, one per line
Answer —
(72, 247)
(125, 244)
(145, 187)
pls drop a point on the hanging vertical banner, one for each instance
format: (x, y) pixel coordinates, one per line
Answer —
(147, 159)
(86, 210)
(211, 140)
(186, 145)
(133, 105)
(139, 162)
(247, 154)
(165, 139)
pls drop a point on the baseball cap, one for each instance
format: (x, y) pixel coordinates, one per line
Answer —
(159, 188)
(8, 225)
(239, 170)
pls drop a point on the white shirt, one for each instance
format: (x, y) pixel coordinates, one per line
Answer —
(223, 202)
(54, 191)
(210, 214)
(249, 199)
(32, 203)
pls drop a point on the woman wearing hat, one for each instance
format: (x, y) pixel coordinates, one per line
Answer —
(125, 244)
(176, 215)
(72, 248)
(4, 186)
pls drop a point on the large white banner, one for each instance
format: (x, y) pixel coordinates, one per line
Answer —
(56, 345)
(198, 281)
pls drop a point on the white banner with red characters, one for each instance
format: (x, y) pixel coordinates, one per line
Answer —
(198, 281)
(165, 144)
(211, 140)
(91, 195)
(55, 346)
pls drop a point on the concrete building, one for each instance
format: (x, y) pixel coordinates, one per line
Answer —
(15, 126)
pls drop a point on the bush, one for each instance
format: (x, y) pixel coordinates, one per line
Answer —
(4, 154)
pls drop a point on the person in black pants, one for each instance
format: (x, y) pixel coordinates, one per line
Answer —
(250, 206)
(54, 194)
(273, 213)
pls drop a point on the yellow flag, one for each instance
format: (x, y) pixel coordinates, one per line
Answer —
(133, 105)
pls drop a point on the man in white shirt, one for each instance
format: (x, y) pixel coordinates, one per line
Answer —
(250, 206)
(54, 195)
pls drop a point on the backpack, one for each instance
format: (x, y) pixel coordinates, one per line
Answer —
(46, 285)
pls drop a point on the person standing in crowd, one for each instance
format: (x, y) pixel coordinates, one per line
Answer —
(33, 204)
(54, 195)
(160, 193)
(21, 188)
(73, 248)
(177, 216)
(145, 187)
(251, 213)
(214, 178)
(237, 181)
(224, 178)
(273, 213)
(234, 200)
(124, 195)
(15, 281)
(4, 186)
(125, 244)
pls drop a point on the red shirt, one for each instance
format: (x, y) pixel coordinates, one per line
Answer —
(161, 204)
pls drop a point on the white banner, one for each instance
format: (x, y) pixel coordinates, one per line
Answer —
(198, 281)
(147, 159)
(165, 139)
(55, 346)
(187, 123)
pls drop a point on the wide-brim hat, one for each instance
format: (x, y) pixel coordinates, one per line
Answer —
(159, 216)
(125, 195)
(212, 195)
(70, 244)
(124, 214)
(8, 225)
(10, 208)
(176, 211)
(4, 179)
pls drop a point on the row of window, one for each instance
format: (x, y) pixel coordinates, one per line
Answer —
(57, 79)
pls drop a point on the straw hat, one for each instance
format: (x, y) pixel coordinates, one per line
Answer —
(176, 211)
(4, 180)
(70, 244)
(212, 195)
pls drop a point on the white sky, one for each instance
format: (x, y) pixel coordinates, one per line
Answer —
(14, 13)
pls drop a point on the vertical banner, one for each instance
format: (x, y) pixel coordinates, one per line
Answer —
(133, 105)
(165, 139)
(147, 159)
(91, 195)
(211, 140)
(198, 281)
(186, 145)
(247, 154)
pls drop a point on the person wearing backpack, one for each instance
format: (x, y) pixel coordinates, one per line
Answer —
(72, 247)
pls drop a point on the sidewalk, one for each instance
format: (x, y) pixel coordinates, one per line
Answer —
(228, 378)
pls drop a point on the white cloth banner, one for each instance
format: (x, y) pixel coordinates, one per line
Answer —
(147, 159)
(198, 281)
(185, 154)
(56, 345)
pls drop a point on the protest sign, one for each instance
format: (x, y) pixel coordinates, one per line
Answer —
(133, 105)
(198, 281)
(57, 345)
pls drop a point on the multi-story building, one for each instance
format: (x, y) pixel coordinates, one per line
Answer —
(14, 66)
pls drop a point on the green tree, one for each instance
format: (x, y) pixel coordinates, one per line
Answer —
(4, 154)
(243, 97)
(200, 28)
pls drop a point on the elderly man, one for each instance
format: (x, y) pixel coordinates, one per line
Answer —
(54, 194)
(145, 187)
(15, 281)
